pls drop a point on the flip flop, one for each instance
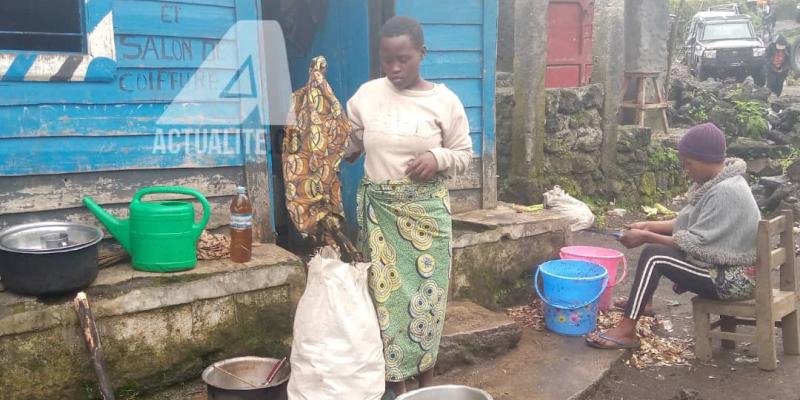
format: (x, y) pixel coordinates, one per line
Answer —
(621, 303)
(618, 344)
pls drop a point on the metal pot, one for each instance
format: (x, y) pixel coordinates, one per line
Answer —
(244, 378)
(449, 392)
(46, 258)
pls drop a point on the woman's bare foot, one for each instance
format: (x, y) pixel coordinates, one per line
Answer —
(622, 336)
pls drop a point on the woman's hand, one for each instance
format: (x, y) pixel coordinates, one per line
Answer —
(351, 158)
(423, 167)
(634, 238)
(638, 225)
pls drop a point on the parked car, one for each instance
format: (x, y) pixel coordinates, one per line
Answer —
(797, 12)
(721, 44)
(731, 7)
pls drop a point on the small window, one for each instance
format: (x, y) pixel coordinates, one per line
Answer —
(42, 25)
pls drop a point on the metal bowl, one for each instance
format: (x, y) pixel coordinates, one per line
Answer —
(48, 237)
(244, 378)
(48, 258)
(449, 392)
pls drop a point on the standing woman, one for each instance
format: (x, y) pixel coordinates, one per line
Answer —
(414, 134)
(778, 59)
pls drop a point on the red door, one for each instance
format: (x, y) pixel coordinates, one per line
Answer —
(569, 43)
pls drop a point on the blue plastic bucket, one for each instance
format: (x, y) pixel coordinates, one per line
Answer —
(572, 289)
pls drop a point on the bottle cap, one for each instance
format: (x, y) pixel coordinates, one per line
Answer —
(241, 190)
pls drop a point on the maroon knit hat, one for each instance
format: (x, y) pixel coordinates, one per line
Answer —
(704, 142)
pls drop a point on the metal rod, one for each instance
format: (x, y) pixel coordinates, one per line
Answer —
(275, 371)
(236, 377)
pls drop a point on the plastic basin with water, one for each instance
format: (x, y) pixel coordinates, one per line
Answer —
(449, 392)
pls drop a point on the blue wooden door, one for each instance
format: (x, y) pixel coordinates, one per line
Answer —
(461, 37)
(344, 41)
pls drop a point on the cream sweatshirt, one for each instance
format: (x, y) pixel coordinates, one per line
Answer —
(394, 126)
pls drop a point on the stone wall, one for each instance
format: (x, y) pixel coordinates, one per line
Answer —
(644, 171)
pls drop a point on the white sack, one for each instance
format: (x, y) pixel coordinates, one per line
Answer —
(580, 214)
(337, 352)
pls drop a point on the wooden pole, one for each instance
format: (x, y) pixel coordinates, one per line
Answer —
(92, 339)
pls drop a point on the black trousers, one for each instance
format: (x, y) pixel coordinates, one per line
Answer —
(658, 260)
(775, 81)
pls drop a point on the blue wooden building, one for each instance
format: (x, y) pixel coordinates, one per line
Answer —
(82, 103)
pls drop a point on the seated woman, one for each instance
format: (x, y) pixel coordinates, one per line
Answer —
(709, 249)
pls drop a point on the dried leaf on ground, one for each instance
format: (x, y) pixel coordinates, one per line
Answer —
(655, 350)
(213, 246)
(529, 315)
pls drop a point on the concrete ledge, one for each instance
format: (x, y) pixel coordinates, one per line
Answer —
(473, 333)
(486, 226)
(157, 329)
(495, 251)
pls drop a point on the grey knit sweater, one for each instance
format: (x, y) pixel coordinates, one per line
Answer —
(718, 228)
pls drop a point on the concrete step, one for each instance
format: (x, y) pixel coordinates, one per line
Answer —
(544, 366)
(473, 333)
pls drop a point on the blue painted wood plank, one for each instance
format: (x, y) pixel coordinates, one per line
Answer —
(142, 51)
(130, 85)
(453, 37)
(218, 3)
(443, 11)
(96, 10)
(468, 90)
(452, 64)
(477, 144)
(136, 17)
(108, 119)
(246, 9)
(28, 156)
(488, 152)
(474, 117)
(491, 13)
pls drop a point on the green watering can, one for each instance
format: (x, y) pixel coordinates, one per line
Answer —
(160, 236)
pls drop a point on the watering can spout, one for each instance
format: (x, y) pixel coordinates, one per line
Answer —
(118, 228)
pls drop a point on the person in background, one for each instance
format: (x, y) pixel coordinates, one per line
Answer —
(708, 249)
(414, 134)
(778, 59)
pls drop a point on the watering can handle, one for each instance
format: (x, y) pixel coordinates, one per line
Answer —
(179, 190)
(544, 299)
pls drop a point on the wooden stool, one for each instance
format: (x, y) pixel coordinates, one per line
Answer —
(770, 305)
(640, 103)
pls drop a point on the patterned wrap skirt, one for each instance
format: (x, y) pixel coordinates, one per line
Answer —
(406, 230)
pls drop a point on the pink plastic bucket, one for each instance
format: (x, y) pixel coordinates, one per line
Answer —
(607, 258)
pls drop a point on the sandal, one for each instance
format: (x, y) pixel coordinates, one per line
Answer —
(616, 343)
(622, 303)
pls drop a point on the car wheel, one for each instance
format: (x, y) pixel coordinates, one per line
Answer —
(795, 57)
(702, 73)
